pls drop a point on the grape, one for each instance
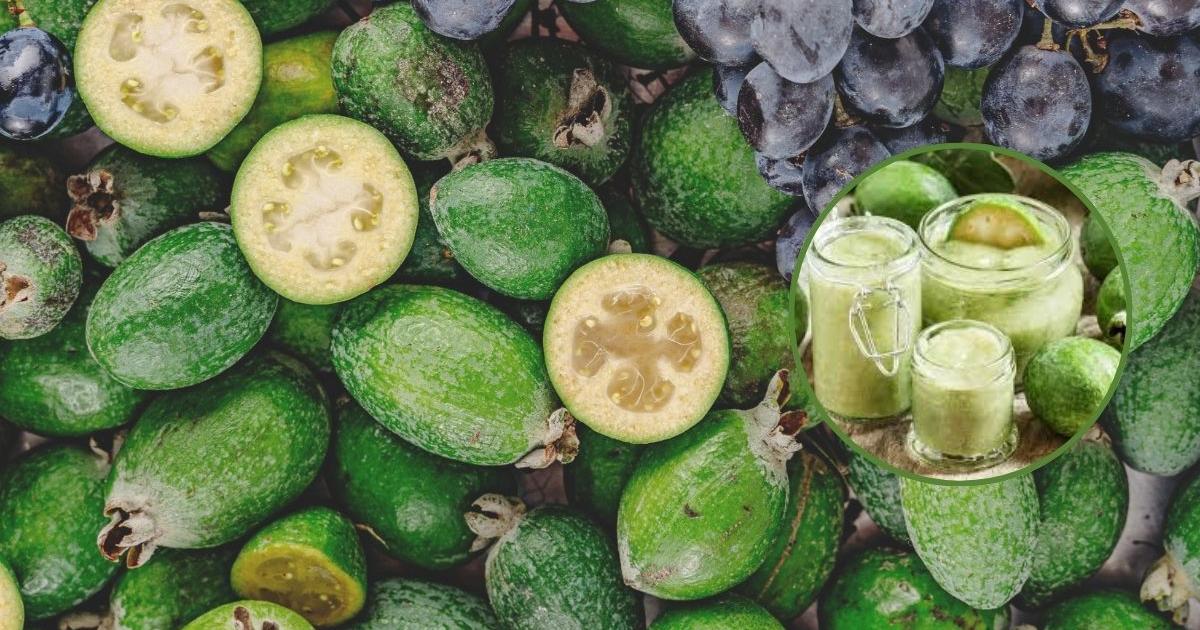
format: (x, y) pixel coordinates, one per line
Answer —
(1079, 13)
(891, 18)
(838, 158)
(791, 240)
(1166, 17)
(780, 118)
(931, 130)
(783, 174)
(36, 86)
(891, 82)
(974, 33)
(802, 44)
(462, 19)
(718, 30)
(1151, 86)
(727, 82)
(1037, 102)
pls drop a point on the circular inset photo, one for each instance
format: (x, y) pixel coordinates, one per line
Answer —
(965, 313)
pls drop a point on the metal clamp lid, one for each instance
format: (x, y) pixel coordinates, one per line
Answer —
(888, 363)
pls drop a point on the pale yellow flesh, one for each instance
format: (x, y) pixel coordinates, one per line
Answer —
(300, 579)
(12, 610)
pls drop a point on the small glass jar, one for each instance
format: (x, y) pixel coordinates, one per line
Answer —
(963, 384)
(1033, 294)
(865, 310)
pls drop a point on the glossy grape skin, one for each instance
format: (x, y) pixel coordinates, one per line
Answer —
(727, 83)
(802, 43)
(36, 84)
(783, 174)
(718, 30)
(462, 19)
(1165, 18)
(974, 33)
(780, 118)
(791, 240)
(891, 82)
(891, 18)
(840, 156)
(1150, 87)
(1079, 13)
(930, 130)
(1037, 102)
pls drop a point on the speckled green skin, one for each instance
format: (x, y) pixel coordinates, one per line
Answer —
(1154, 234)
(10, 600)
(273, 16)
(959, 100)
(719, 613)
(405, 604)
(596, 477)
(429, 261)
(50, 511)
(701, 510)
(50, 385)
(222, 617)
(533, 80)
(638, 33)
(151, 196)
(297, 81)
(806, 544)
(879, 492)
(412, 500)
(903, 190)
(32, 184)
(1181, 536)
(1111, 312)
(37, 255)
(1097, 251)
(305, 331)
(426, 92)
(1154, 415)
(519, 225)
(209, 463)
(624, 221)
(1084, 496)
(180, 310)
(471, 387)
(694, 176)
(1067, 380)
(175, 587)
(976, 540)
(60, 18)
(889, 589)
(557, 569)
(1105, 610)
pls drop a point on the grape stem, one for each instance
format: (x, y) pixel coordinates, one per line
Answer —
(17, 9)
(842, 118)
(1047, 41)
(1126, 19)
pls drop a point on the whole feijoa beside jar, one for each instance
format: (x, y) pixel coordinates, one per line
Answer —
(174, 588)
(40, 276)
(718, 613)
(878, 491)
(410, 604)
(250, 615)
(1110, 610)
(903, 190)
(1068, 380)
(1111, 313)
(638, 33)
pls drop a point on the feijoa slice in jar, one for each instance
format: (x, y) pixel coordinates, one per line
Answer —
(324, 208)
(168, 79)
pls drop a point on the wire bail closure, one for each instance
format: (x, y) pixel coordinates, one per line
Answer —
(888, 363)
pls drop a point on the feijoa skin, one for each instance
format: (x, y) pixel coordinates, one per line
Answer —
(305, 331)
(1068, 380)
(694, 177)
(560, 103)
(172, 589)
(638, 33)
(429, 94)
(12, 610)
(181, 310)
(205, 465)
(1111, 310)
(624, 221)
(597, 477)
(60, 18)
(903, 190)
(50, 509)
(40, 276)
(1104, 610)
(1096, 248)
(1175, 577)
(408, 604)
(273, 16)
(250, 615)
(125, 198)
(519, 225)
(31, 182)
(718, 613)
(878, 491)
(471, 387)
(381, 480)
(977, 540)
(429, 261)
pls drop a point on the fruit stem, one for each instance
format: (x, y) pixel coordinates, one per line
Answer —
(491, 516)
(842, 118)
(1047, 40)
(17, 8)
(1168, 586)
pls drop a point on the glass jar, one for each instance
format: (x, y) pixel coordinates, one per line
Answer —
(865, 310)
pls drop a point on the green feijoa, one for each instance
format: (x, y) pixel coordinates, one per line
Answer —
(471, 387)
(382, 481)
(431, 95)
(638, 33)
(40, 276)
(207, 464)
(429, 261)
(878, 491)
(50, 385)
(273, 16)
(1083, 496)
(882, 589)
(519, 225)
(718, 613)
(977, 540)
(125, 199)
(1111, 314)
(297, 81)
(174, 588)
(550, 568)
(249, 615)
(1103, 610)
(310, 561)
(1154, 415)
(60, 18)
(961, 93)
(701, 510)
(180, 310)
(31, 182)
(1175, 577)
(1067, 382)
(12, 610)
(407, 604)
(560, 103)
(903, 190)
(305, 331)
(595, 479)
(694, 176)
(531, 314)
(1096, 248)
(50, 510)
(805, 546)
(1143, 207)
(625, 223)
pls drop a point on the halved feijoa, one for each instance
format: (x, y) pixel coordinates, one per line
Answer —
(636, 347)
(249, 615)
(324, 208)
(12, 611)
(168, 79)
(997, 221)
(40, 276)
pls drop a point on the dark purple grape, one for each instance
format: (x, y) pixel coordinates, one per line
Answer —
(1032, 25)
(718, 30)
(785, 175)
(36, 85)
(1165, 17)
(840, 156)
(780, 118)
(974, 33)
(727, 82)
(891, 18)
(462, 19)
(1079, 13)
(891, 82)
(791, 240)
(802, 41)
(1037, 102)
(931, 130)
(1151, 86)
